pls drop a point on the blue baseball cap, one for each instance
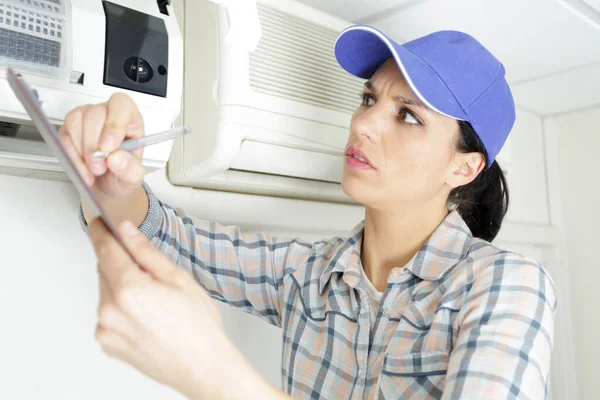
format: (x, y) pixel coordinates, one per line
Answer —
(449, 71)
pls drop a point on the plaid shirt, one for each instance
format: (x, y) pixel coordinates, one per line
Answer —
(463, 319)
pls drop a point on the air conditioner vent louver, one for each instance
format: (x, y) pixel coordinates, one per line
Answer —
(295, 60)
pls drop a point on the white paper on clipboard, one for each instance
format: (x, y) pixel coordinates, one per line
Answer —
(32, 106)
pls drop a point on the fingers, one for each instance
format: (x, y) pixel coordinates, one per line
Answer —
(150, 258)
(93, 121)
(75, 157)
(115, 331)
(114, 345)
(113, 261)
(105, 292)
(113, 319)
(73, 127)
(115, 305)
(122, 114)
(126, 167)
(103, 126)
(70, 133)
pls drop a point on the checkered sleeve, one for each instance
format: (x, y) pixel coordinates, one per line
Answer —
(245, 270)
(505, 338)
(151, 224)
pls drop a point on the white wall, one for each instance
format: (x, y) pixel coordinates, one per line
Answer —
(48, 300)
(578, 144)
(527, 174)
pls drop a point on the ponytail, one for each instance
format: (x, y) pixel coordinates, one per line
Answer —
(483, 203)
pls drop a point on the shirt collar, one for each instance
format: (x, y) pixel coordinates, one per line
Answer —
(448, 244)
(346, 260)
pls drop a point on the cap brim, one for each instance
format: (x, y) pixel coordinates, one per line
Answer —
(361, 50)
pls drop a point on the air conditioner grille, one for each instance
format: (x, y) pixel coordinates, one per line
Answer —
(295, 60)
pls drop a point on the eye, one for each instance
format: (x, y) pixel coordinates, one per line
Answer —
(367, 99)
(408, 117)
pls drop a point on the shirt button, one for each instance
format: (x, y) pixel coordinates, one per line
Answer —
(361, 372)
(385, 311)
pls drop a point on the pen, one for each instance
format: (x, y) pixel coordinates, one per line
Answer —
(135, 144)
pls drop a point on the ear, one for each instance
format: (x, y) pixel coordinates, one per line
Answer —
(465, 168)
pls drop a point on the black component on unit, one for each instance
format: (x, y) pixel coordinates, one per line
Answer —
(9, 129)
(136, 53)
(138, 70)
(162, 6)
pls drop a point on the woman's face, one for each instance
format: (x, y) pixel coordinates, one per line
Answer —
(407, 148)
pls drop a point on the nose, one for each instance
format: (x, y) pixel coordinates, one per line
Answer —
(369, 124)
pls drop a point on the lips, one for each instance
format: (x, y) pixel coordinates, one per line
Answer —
(359, 156)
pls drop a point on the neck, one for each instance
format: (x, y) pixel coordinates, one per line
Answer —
(391, 239)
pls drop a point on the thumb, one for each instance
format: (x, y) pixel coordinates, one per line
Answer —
(126, 167)
(147, 256)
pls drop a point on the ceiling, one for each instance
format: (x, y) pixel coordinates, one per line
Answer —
(550, 48)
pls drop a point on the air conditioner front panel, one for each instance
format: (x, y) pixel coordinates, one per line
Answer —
(302, 53)
(267, 185)
(272, 122)
(307, 133)
(288, 161)
(293, 70)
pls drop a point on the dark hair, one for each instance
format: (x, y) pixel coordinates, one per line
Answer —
(483, 203)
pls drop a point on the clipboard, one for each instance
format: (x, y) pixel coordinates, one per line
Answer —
(30, 102)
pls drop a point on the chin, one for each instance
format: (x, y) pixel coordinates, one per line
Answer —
(354, 188)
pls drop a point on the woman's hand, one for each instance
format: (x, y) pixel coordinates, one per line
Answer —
(116, 180)
(153, 316)
(104, 127)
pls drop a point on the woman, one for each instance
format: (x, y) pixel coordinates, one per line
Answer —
(415, 303)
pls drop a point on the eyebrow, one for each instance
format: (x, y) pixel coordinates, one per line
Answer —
(400, 99)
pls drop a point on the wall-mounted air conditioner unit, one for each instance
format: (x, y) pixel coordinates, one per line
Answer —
(274, 121)
(76, 52)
